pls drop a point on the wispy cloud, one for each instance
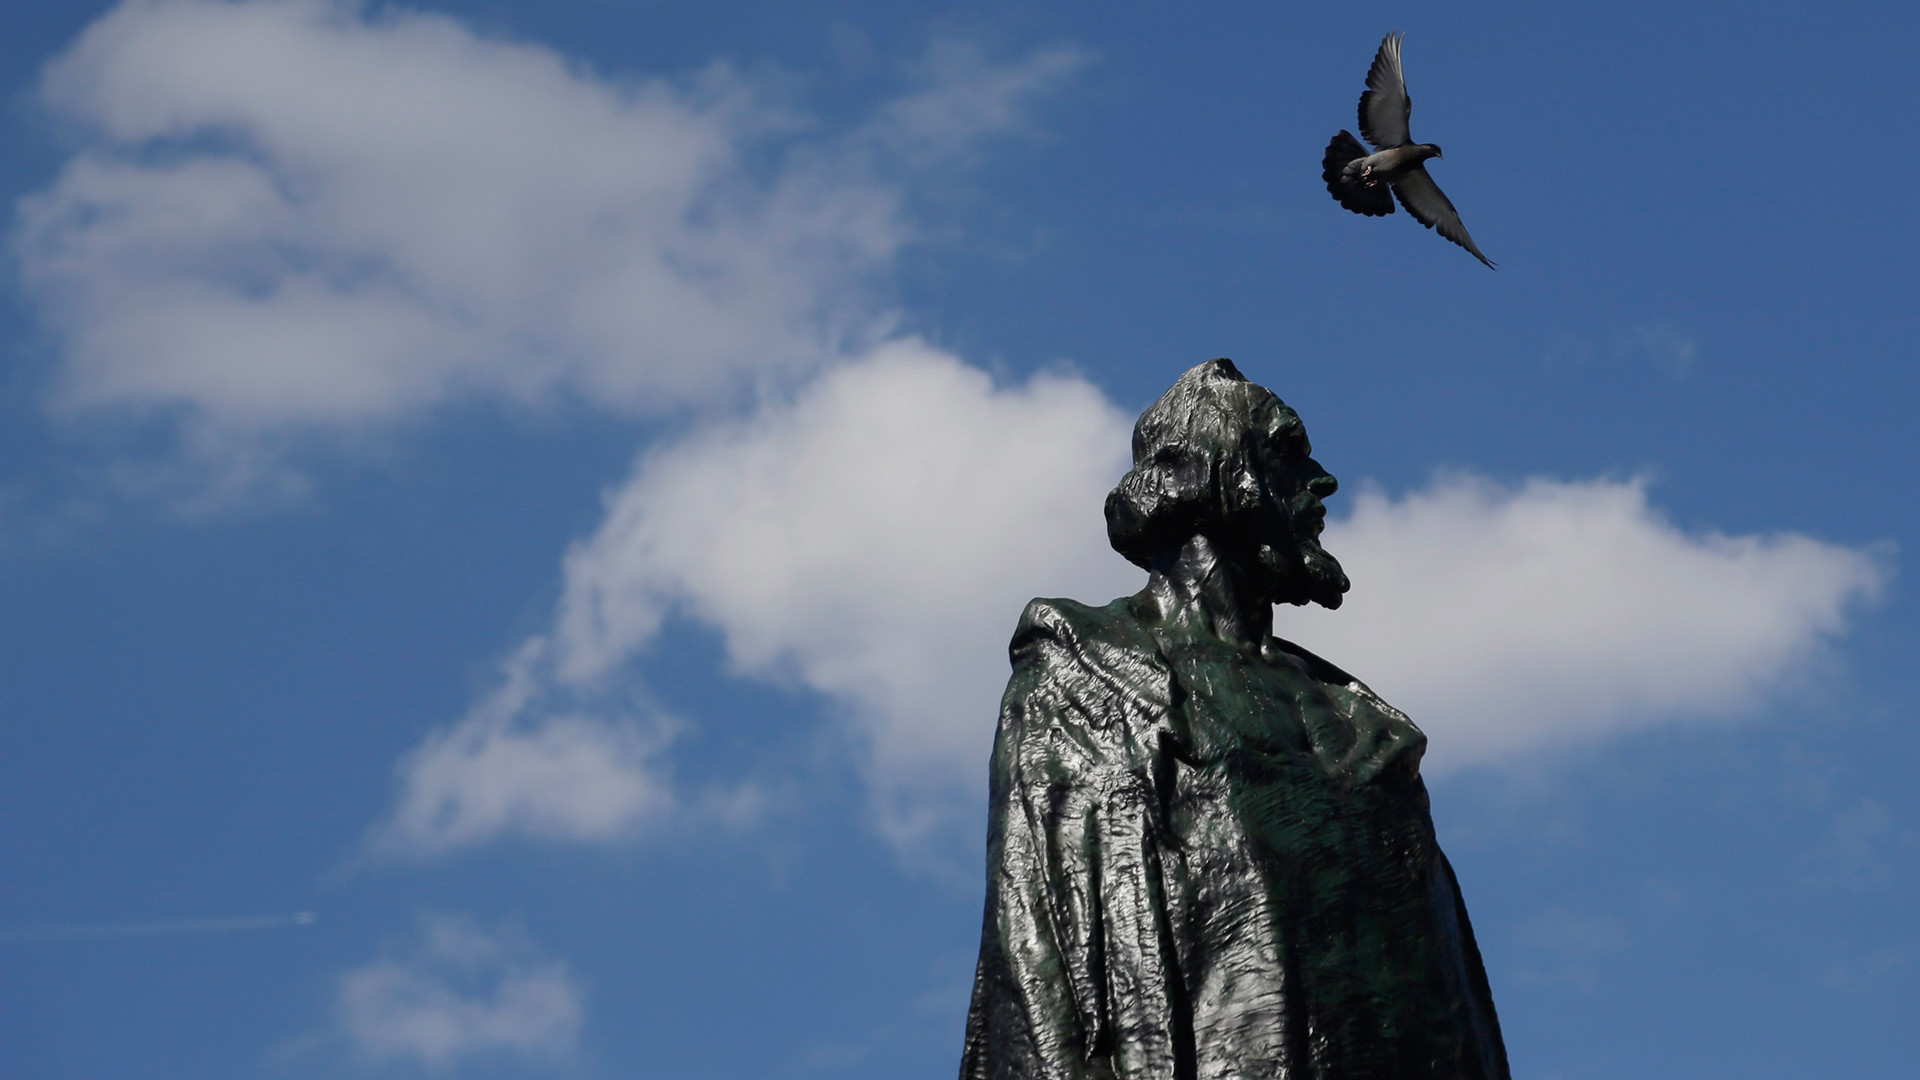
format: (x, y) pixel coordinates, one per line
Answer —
(291, 219)
(290, 212)
(456, 993)
(968, 96)
(870, 539)
(1864, 846)
(1567, 948)
(873, 539)
(1875, 970)
(1670, 349)
(516, 765)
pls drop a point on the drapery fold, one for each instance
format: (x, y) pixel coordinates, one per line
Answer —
(1213, 862)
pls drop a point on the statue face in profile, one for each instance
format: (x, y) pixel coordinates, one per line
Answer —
(1289, 515)
(1224, 459)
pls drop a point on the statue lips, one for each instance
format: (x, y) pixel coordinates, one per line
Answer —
(1313, 518)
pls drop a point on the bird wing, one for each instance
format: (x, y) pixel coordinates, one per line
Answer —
(1385, 108)
(1431, 207)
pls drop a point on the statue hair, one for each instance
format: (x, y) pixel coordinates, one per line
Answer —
(1192, 471)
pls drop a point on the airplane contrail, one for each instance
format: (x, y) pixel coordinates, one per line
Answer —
(155, 929)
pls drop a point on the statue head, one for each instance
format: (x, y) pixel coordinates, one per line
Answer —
(1222, 458)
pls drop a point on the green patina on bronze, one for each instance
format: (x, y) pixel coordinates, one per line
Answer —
(1209, 851)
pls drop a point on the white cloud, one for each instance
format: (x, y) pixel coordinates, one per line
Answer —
(969, 96)
(457, 994)
(1507, 619)
(1863, 847)
(873, 539)
(293, 215)
(290, 212)
(1671, 350)
(876, 539)
(525, 763)
(296, 215)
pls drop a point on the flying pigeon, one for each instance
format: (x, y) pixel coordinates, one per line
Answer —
(1359, 181)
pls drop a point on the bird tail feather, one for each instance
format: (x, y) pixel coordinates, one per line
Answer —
(1349, 192)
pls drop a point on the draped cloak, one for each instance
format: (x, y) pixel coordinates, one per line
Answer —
(1208, 862)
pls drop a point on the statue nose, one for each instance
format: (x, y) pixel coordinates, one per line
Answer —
(1323, 485)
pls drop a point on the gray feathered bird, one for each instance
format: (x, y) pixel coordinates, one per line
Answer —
(1360, 181)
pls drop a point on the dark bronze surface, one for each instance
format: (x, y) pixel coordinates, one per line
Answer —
(1209, 851)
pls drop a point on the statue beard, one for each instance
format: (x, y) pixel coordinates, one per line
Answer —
(1300, 571)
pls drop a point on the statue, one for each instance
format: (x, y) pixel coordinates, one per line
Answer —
(1209, 853)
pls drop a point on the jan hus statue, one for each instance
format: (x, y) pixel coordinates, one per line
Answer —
(1209, 852)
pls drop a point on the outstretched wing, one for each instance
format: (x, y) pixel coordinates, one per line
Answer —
(1385, 108)
(1431, 207)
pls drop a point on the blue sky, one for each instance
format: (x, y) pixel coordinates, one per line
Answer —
(545, 489)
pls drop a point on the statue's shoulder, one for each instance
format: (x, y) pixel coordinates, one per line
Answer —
(1092, 675)
(1080, 628)
(1066, 643)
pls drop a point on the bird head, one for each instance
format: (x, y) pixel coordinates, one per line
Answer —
(1432, 149)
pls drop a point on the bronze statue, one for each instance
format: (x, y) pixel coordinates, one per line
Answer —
(1209, 852)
